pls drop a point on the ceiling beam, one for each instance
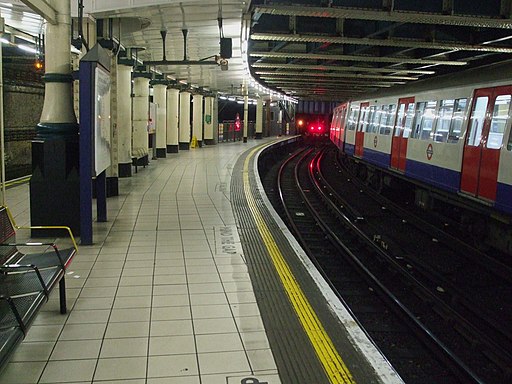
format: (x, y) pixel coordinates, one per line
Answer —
(340, 68)
(360, 58)
(393, 16)
(43, 9)
(365, 84)
(336, 75)
(403, 43)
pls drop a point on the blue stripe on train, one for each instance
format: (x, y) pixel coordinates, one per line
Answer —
(504, 197)
(349, 149)
(440, 177)
(376, 157)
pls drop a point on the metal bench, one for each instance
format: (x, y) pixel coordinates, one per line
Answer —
(140, 157)
(26, 280)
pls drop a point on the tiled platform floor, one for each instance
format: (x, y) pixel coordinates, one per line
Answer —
(152, 301)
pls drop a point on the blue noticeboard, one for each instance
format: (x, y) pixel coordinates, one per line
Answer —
(94, 76)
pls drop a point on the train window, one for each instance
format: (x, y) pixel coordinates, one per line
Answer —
(509, 145)
(401, 114)
(381, 116)
(459, 110)
(476, 122)
(499, 121)
(420, 110)
(373, 120)
(424, 120)
(443, 124)
(352, 118)
(363, 120)
(387, 119)
(409, 118)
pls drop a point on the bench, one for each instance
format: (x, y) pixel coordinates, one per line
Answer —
(140, 157)
(26, 281)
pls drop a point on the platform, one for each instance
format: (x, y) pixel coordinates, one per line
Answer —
(181, 286)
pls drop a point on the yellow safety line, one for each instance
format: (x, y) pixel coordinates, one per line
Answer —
(17, 181)
(335, 368)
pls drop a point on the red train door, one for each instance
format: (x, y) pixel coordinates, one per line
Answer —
(484, 137)
(341, 126)
(363, 120)
(403, 124)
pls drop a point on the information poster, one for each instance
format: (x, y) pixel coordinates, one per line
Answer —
(102, 121)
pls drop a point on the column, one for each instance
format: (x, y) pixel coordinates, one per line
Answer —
(197, 128)
(184, 121)
(173, 102)
(215, 119)
(246, 115)
(55, 183)
(112, 172)
(259, 119)
(159, 97)
(208, 120)
(140, 142)
(124, 117)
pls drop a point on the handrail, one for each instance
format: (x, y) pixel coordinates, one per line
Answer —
(13, 222)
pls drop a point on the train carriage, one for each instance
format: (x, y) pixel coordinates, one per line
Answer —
(452, 133)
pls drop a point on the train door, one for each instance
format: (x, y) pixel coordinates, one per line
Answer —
(363, 121)
(401, 133)
(341, 126)
(332, 129)
(484, 138)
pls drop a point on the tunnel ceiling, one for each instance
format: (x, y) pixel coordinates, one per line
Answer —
(338, 49)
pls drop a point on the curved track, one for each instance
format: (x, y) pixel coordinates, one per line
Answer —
(412, 315)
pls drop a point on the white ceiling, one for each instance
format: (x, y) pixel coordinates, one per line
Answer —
(200, 19)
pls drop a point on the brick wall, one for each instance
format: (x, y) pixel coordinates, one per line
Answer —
(23, 103)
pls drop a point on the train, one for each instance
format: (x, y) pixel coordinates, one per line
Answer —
(449, 136)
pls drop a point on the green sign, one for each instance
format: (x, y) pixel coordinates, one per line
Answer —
(208, 119)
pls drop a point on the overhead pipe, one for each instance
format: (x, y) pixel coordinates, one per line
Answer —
(185, 33)
(164, 61)
(163, 33)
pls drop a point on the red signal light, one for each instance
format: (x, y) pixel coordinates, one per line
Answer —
(319, 128)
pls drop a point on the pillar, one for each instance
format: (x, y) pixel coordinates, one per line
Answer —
(124, 118)
(246, 116)
(55, 184)
(259, 119)
(208, 120)
(215, 119)
(184, 121)
(197, 128)
(112, 172)
(173, 102)
(159, 97)
(140, 142)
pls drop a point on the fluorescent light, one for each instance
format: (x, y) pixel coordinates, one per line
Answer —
(223, 97)
(5, 41)
(26, 48)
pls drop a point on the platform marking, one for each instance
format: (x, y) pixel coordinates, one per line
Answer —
(335, 368)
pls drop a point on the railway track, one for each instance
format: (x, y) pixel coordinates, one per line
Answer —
(396, 304)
